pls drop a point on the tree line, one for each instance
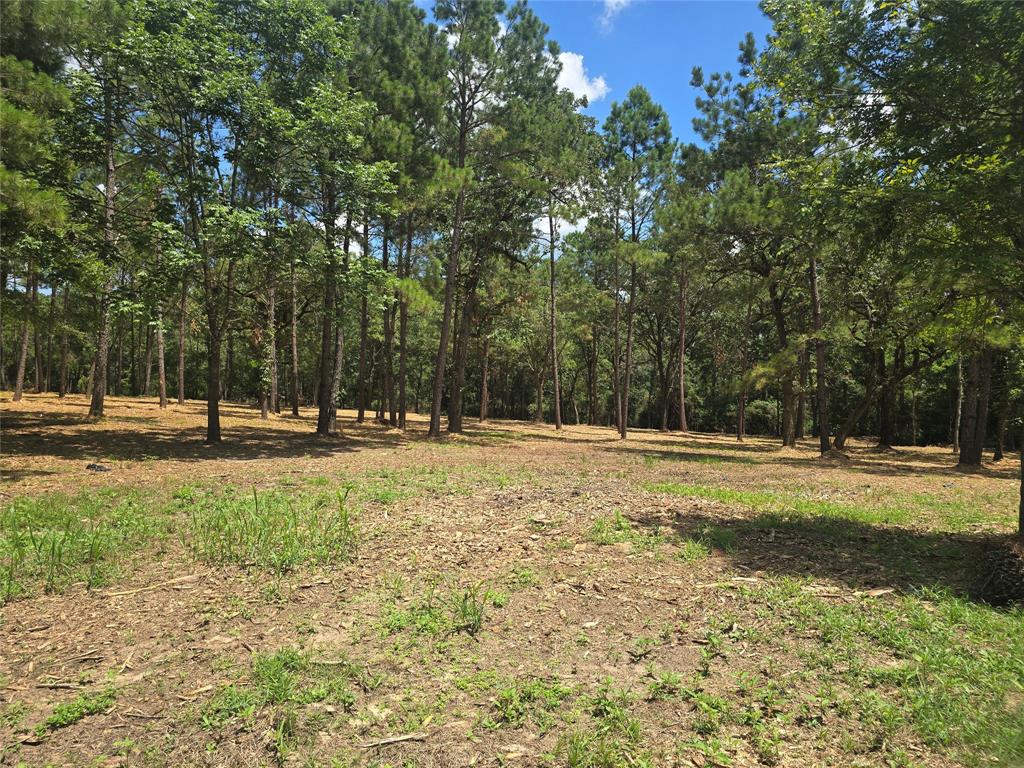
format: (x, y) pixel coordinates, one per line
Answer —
(349, 203)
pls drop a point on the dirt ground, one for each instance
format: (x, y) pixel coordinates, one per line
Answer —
(574, 543)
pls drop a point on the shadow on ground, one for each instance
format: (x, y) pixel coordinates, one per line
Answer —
(858, 555)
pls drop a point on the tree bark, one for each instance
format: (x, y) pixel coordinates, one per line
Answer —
(295, 393)
(19, 378)
(49, 338)
(556, 395)
(161, 369)
(975, 413)
(389, 335)
(99, 388)
(363, 334)
(627, 373)
(339, 330)
(324, 401)
(684, 285)
(403, 328)
(62, 385)
(182, 317)
(213, 389)
(484, 394)
(451, 275)
(147, 369)
(958, 411)
(821, 383)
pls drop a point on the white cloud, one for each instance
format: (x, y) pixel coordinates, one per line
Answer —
(573, 77)
(611, 10)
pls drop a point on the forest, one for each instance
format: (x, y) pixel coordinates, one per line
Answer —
(376, 227)
(334, 204)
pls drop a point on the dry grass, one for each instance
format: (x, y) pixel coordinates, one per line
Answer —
(516, 597)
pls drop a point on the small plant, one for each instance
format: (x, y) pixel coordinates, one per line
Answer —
(617, 530)
(665, 685)
(70, 712)
(285, 679)
(533, 699)
(522, 577)
(467, 609)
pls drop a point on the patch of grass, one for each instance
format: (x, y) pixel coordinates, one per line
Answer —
(273, 531)
(55, 540)
(613, 738)
(955, 673)
(532, 699)
(284, 679)
(70, 712)
(522, 577)
(460, 609)
(665, 684)
(789, 504)
(616, 530)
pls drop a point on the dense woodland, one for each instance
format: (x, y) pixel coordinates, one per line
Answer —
(339, 203)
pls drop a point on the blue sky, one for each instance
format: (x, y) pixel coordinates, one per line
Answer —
(611, 45)
(656, 43)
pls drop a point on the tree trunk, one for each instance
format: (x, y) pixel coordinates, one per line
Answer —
(161, 370)
(49, 337)
(364, 320)
(272, 339)
(19, 378)
(324, 402)
(975, 416)
(451, 275)
(99, 388)
(684, 285)
(484, 395)
(295, 393)
(556, 395)
(339, 330)
(821, 383)
(182, 316)
(461, 350)
(213, 388)
(803, 359)
(62, 385)
(958, 410)
(389, 335)
(148, 367)
(403, 328)
(627, 373)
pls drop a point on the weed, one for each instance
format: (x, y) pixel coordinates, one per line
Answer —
(534, 699)
(70, 712)
(274, 531)
(56, 540)
(617, 530)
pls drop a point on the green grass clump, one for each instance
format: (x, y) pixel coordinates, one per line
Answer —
(70, 712)
(460, 609)
(955, 669)
(533, 699)
(617, 530)
(613, 738)
(284, 679)
(56, 540)
(273, 531)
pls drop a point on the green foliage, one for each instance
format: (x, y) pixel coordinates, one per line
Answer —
(52, 541)
(70, 712)
(273, 531)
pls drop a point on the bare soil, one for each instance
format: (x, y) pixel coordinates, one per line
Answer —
(511, 499)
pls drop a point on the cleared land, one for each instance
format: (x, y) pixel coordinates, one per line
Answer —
(513, 596)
